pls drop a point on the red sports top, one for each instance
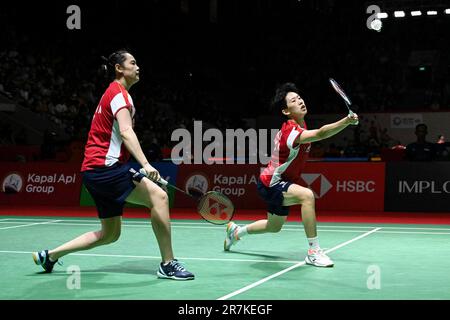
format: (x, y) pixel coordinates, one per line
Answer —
(288, 160)
(104, 146)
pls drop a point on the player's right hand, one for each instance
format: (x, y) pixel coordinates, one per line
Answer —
(152, 173)
(353, 118)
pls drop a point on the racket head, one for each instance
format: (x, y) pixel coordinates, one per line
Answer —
(340, 91)
(215, 208)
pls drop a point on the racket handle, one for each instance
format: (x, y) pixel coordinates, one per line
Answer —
(351, 114)
(160, 180)
(165, 183)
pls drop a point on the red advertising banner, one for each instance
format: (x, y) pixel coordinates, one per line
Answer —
(43, 183)
(337, 186)
(351, 186)
(238, 182)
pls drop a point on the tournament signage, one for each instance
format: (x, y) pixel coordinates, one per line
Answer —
(356, 186)
(40, 183)
(237, 182)
(418, 186)
(336, 186)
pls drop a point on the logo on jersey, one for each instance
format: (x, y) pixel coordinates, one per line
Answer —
(317, 183)
(12, 183)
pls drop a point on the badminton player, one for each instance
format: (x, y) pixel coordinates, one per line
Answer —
(110, 179)
(279, 183)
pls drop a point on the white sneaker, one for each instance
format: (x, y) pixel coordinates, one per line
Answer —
(231, 237)
(318, 258)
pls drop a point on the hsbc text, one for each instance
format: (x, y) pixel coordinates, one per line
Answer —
(355, 186)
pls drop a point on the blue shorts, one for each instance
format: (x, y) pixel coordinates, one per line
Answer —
(273, 196)
(110, 186)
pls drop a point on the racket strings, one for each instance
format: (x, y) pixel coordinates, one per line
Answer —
(216, 207)
(344, 96)
(340, 91)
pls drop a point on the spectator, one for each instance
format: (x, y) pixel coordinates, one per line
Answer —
(421, 150)
(195, 86)
(442, 152)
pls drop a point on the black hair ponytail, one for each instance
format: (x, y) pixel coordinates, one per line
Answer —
(108, 68)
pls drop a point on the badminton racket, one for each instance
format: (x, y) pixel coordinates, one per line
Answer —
(212, 206)
(343, 95)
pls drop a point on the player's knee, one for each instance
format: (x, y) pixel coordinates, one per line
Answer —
(159, 197)
(274, 228)
(307, 195)
(110, 237)
(277, 229)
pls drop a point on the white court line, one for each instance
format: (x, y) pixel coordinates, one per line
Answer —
(413, 232)
(207, 226)
(28, 225)
(45, 219)
(246, 288)
(290, 225)
(407, 228)
(414, 228)
(319, 229)
(176, 226)
(159, 257)
(96, 220)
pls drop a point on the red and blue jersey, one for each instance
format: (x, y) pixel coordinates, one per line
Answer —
(288, 158)
(104, 146)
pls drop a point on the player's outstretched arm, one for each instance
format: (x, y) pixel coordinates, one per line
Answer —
(327, 130)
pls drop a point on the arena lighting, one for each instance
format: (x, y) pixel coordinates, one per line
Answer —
(411, 8)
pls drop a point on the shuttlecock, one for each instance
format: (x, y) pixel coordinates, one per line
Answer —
(376, 25)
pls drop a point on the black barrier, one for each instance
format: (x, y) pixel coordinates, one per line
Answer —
(417, 186)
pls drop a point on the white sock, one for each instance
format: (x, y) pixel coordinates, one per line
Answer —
(313, 243)
(242, 231)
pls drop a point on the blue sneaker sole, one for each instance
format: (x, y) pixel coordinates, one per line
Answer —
(163, 276)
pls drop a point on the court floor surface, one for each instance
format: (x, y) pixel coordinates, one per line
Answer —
(372, 262)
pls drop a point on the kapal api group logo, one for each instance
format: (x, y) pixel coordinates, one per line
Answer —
(197, 184)
(12, 183)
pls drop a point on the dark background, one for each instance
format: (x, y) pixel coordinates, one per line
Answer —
(222, 68)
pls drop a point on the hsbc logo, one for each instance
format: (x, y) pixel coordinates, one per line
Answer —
(317, 183)
(320, 185)
(355, 186)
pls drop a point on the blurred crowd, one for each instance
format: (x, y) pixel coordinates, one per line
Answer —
(229, 75)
